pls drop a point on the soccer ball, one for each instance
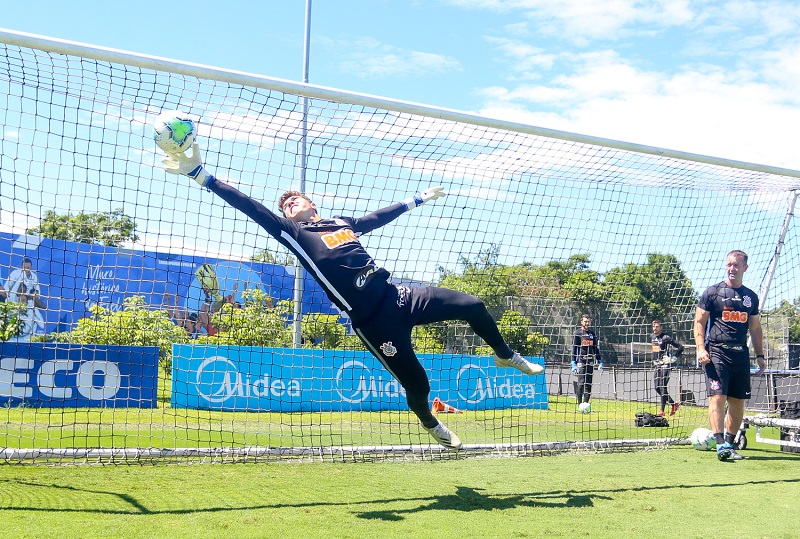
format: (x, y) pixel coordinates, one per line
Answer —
(173, 131)
(585, 407)
(703, 439)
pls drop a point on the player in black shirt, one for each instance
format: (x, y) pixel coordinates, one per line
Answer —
(382, 314)
(725, 313)
(585, 355)
(663, 344)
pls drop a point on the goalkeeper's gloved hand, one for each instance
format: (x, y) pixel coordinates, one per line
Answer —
(600, 366)
(191, 166)
(431, 193)
(574, 367)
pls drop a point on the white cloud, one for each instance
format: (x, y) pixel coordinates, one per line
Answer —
(369, 58)
(582, 20)
(743, 106)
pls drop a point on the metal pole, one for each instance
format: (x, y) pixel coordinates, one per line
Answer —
(297, 339)
(773, 264)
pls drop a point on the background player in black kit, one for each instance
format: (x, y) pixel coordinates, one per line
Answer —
(382, 314)
(725, 313)
(585, 355)
(663, 344)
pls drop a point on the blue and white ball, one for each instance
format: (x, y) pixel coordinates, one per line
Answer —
(173, 131)
(703, 439)
(584, 407)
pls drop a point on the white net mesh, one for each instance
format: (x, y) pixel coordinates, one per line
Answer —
(542, 228)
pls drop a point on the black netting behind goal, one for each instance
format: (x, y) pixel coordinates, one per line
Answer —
(144, 318)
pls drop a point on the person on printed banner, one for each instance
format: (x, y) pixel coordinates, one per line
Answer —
(725, 314)
(665, 351)
(585, 356)
(382, 314)
(23, 275)
(188, 321)
(32, 319)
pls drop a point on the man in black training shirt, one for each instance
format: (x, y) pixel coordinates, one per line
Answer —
(663, 344)
(725, 313)
(585, 355)
(382, 314)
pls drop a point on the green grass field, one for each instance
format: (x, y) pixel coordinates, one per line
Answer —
(677, 492)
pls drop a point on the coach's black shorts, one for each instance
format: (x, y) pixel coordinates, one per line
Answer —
(729, 372)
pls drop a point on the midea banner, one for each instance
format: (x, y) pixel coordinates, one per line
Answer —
(256, 379)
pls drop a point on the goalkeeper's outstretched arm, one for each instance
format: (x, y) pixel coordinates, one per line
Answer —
(192, 166)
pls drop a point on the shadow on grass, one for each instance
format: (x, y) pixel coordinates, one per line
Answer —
(470, 499)
(465, 499)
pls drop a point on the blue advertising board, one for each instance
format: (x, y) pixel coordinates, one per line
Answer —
(255, 379)
(73, 277)
(61, 375)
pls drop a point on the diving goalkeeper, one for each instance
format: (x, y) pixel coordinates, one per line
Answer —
(382, 314)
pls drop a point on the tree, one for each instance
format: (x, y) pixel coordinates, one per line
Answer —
(571, 279)
(11, 320)
(105, 228)
(653, 290)
(322, 331)
(483, 277)
(256, 323)
(515, 329)
(280, 258)
(428, 339)
(134, 325)
(790, 311)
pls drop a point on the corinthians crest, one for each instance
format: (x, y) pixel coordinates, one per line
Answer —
(388, 349)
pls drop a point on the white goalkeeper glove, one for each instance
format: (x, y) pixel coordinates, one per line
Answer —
(431, 193)
(192, 166)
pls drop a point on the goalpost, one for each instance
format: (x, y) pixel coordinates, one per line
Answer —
(543, 225)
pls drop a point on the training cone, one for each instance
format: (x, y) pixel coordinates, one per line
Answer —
(439, 406)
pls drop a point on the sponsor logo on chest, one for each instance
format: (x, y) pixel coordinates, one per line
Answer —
(729, 314)
(336, 238)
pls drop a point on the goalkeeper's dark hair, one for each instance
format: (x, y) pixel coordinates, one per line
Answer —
(287, 195)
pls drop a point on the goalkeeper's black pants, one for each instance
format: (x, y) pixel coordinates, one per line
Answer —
(387, 334)
(661, 380)
(583, 386)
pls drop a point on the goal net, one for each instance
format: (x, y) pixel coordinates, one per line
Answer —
(144, 318)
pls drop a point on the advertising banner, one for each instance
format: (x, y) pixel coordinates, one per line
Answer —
(61, 375)
(69, 278)
(258, 379)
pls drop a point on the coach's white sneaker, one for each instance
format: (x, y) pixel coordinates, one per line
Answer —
(520, 363)
(444, 437)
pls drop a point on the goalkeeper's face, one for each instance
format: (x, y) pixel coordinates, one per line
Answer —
(657, 328)
(299, 208)
(586, 322)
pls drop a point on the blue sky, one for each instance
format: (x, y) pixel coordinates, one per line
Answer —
(711, 77)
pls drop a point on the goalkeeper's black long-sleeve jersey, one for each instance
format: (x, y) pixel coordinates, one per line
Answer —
(328, 249)
(584, 346)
